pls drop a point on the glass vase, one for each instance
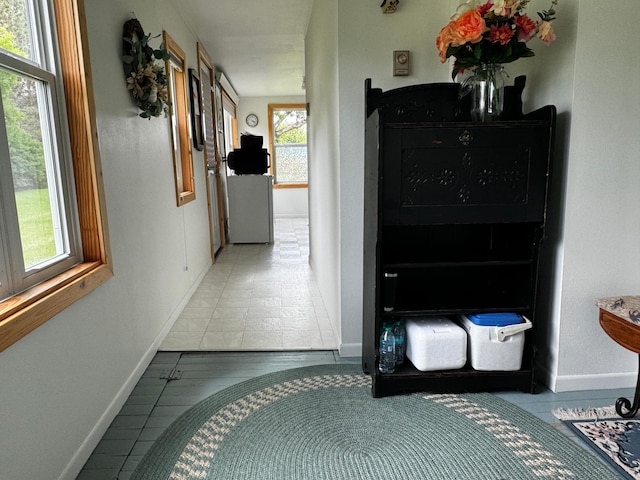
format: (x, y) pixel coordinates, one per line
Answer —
(486, 87)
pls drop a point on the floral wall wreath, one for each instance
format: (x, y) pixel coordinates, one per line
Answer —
(146, 79)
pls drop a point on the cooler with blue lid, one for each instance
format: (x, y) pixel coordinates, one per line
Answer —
(496, 340)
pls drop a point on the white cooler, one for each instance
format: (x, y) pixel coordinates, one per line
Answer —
(435, 343)
(496, 341)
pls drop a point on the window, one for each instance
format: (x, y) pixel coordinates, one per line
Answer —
(230, 124)
(53, 236)
(176, 68)
(288, 144)
(39, 238)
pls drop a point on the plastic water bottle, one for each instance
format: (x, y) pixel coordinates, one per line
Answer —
(387, 350)
(401, 341)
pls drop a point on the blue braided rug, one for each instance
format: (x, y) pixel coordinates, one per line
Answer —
(318, 423)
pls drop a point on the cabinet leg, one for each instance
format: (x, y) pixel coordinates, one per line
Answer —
(624, 403)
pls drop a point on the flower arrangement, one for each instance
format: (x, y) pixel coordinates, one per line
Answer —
(496, 31)
(146, 79)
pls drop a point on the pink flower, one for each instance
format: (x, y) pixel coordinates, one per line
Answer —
(545, 32)
(526, 27)
(501, 34)
(483, 9)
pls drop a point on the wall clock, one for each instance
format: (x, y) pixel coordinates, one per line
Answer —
(252, 120)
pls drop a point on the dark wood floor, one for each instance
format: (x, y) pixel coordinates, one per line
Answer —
(156, 402)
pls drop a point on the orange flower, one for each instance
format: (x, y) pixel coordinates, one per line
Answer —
(469, 27)
(445, 38)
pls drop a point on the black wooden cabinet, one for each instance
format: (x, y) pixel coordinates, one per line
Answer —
(453, 220)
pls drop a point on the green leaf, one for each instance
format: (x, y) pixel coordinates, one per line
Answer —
(452, 51)
(477, 51)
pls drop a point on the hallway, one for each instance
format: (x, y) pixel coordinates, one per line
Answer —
(257, 297)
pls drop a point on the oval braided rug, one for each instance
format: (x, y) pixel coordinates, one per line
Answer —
(322, 423)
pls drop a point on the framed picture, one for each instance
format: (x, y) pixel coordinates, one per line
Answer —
(196, 113)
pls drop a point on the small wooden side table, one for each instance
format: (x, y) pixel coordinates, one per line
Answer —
(620, 319)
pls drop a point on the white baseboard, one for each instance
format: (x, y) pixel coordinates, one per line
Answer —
(83, 453)
(571, 383)
(350, 349)
(81, 456)
(290, 215)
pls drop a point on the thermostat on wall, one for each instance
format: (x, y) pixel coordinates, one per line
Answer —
(401, 63)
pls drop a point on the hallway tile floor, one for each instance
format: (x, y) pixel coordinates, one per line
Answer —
(257, 297)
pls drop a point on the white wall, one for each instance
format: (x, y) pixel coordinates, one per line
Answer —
(63, 383)
(602, 226)
(367, 39)
(287, 202)
(321, 72)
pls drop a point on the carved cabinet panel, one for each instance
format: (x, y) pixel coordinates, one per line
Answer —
(465, 173)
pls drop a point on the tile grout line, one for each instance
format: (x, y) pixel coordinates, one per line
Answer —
(121, 470)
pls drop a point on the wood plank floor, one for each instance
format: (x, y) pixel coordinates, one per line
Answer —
(156, 402)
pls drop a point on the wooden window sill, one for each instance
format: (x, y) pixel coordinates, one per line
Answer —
(290, 185)
(26, 311)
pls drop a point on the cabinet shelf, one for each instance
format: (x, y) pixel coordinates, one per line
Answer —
(455, 213)
(454, 311)
(471, 287)
(425, 244)
(407, 370)
(391, 267)
(453, 381)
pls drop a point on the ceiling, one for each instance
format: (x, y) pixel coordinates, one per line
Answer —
(258, 44)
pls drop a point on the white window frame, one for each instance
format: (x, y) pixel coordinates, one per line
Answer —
(272, 107)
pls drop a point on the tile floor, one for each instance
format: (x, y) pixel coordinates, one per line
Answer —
(257, 297)
(156, 402)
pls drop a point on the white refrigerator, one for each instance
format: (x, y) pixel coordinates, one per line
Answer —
(250, 208)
